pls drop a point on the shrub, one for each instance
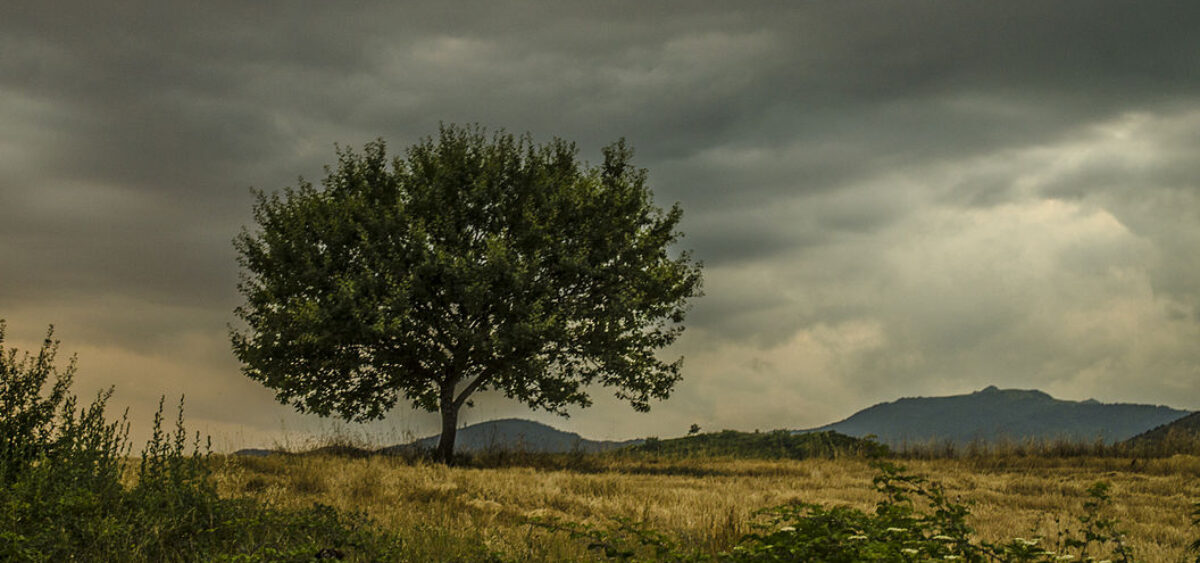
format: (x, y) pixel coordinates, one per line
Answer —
(62, 496)
(897, 531)
(60, 465)
(38, 427)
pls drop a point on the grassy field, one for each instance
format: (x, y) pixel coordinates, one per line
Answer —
(69, 490)
(467, 513)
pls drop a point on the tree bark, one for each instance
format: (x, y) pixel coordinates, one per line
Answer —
(445, 448)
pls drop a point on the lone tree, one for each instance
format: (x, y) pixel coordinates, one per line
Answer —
(469, 263)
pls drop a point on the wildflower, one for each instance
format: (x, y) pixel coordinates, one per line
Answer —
(942, 538)
(859, 537)
(897, 530)
(909, 551)
(1025, 542)
(787, 529)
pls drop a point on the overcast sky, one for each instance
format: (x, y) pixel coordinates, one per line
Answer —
(890, 198)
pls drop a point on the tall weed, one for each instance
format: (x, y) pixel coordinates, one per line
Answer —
(63, 498)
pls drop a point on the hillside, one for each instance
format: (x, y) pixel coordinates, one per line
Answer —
(513, 434)
(778, 444)
(995, 414)
(1186, 430)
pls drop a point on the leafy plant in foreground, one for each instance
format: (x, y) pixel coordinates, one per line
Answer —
(915, 521)
(1096, 531)
(62, 497)
(40, 427)
(60, 464)
(625, 540)
(897, 531)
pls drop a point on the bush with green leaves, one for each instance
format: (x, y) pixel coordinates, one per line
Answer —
(915, 521)
(897, 531)
(62, 496)
(57, 460)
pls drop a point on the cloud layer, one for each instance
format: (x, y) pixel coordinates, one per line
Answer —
(889, 199)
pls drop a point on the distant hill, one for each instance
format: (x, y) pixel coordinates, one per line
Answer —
(993, 414)
(258, 452)
(1185, 430)
(778, 444)
(514, 434)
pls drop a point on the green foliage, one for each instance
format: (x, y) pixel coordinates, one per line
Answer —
(56, 459)
(1097, 537)
(63, 497)
(1096, 528)
(914, 521)
(777, 444)
(625, 540)
(38, 425)
(466, 264)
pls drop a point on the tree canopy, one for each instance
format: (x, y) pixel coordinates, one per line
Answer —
(471, 262)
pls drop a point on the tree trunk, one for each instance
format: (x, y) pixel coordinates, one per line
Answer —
(445, 448)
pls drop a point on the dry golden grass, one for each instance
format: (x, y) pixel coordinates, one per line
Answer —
(453, 513)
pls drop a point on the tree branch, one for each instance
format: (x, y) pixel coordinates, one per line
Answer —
(471, 388)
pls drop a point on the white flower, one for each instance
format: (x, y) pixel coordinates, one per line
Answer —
(909, 551)
(942, 538)
(787, 529)
(859, 537)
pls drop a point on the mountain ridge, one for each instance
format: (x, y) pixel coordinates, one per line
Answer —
(988, 415)
(993, 414)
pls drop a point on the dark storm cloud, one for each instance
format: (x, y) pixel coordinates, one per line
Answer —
(888, 196)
